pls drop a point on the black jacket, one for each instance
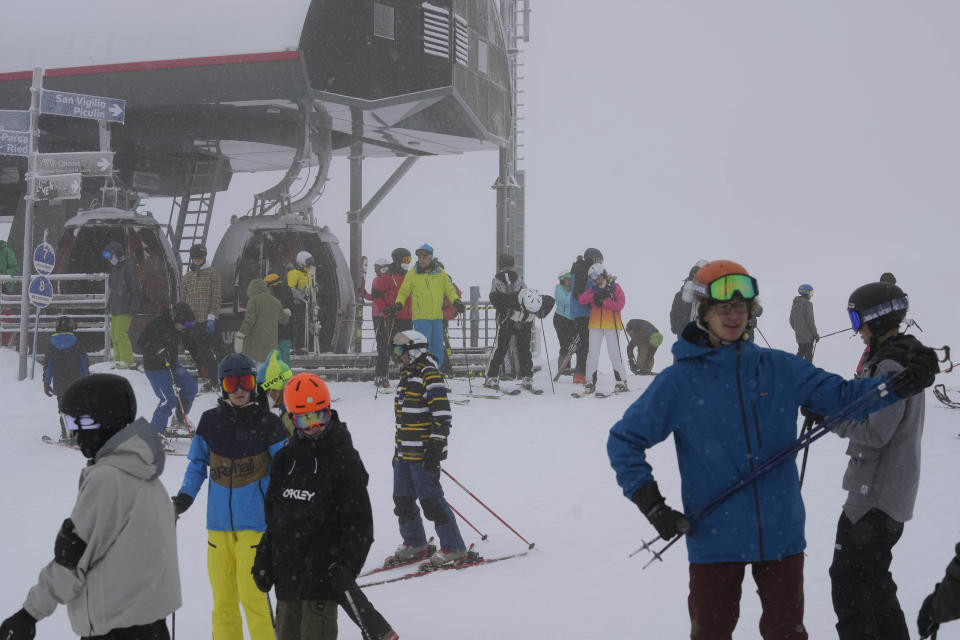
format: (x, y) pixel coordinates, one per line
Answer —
(125, 295)
(318, 514)
(160, 343)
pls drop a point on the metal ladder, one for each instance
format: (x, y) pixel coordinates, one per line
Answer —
(195, 205)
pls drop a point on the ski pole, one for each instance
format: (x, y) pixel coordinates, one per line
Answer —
(547, 354)
(483, 536)
(176, 392)
(827, 335)
(816, 432)
(273, 621)
(529, 544)
(356, 612)
(764, 337)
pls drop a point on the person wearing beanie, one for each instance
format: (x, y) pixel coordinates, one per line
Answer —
(114, 562)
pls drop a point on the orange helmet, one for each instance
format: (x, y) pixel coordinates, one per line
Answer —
(306, 392)
(721, 280)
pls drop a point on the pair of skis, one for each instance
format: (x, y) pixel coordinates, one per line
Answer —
(472, 559)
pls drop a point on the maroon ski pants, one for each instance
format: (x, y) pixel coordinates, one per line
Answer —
(714, 600)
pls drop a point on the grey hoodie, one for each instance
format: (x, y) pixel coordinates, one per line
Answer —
(128, 574)
(801, 320)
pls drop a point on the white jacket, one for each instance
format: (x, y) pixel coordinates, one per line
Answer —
(128, 574)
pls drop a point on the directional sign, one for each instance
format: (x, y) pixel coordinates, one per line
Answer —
(78, 105)
(14, 143)
(44, 258)
(64, 187)
(14, 120)
(88, 163)
(41, 291)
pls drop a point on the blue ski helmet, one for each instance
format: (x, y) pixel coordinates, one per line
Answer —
(805, 290)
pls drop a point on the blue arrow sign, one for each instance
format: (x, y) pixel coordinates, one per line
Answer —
(14, 120)
(78, 105)
(14, 143)
(41, 291)
(44, 258)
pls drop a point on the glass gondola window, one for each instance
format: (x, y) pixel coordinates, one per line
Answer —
(384, 21)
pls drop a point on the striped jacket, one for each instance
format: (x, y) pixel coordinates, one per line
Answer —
(201, 290)
(421, 409)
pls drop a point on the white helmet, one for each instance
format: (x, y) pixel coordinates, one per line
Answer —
(304, 259)
(381, 264)
(531, 300)
(413, 342)
(595, 271)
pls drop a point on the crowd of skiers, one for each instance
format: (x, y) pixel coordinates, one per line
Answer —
(288, 508)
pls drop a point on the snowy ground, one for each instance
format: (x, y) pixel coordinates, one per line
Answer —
(540, 462)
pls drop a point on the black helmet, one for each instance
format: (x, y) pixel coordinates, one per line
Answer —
(198, 251)
(879, 305)
(66, 324)
(592, 256)
(505, 261)
(98, 405)
(182, 313)
(399, 254)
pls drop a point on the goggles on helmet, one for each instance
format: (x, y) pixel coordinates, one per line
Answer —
(246, 382)
(405, 259)
(860, 318)
(306, 421)
(725, 287)
(81, 422)
(107, 255)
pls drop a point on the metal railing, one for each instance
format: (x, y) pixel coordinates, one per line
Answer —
(88, 310)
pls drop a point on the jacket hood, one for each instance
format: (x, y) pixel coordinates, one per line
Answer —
(694, 343)
(136, 449)
(256, 286)
(63, 341)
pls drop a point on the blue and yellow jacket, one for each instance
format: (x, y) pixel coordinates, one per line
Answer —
(421, 409)
(237, 444)
(730, 409)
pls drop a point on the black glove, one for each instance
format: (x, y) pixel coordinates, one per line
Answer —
(920, 368)
(392, 310)
(181, 502)
(458, 305)
(376, 293)
(263, 566)
(164, 354)
(19, 626)
(432, 453)
(339, 577)
(668, 522)
(925, 624)
(810, 415)
(47, 389)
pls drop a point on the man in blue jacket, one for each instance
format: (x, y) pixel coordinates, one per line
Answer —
(730, 406)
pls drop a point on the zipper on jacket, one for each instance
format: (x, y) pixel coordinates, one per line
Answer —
(746, 435)
(756, 423)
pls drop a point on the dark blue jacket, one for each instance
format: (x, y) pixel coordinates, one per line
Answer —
(64, 362)
(729, 409)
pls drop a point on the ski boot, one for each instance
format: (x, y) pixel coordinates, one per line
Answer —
(527, 383)
(405, 554)
(443, 557)
(620, 386)
(589, 387)
(381, 382)
(492, 383)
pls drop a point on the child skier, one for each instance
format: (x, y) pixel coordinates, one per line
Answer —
(236, 440)
(64, 363)
(272, 376)
(605, 299)
(319, 522)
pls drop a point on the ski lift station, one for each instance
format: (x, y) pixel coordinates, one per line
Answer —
(179, 106)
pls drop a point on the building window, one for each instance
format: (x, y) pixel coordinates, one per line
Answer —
(384, 24)
(482, 56)
(436, 30)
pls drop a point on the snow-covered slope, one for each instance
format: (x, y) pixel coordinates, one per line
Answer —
(540, 463)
